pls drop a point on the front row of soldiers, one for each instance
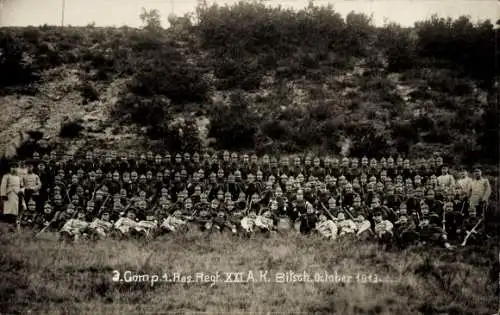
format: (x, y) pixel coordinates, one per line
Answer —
(427, 222)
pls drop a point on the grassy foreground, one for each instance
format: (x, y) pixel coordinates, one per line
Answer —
(47, 277)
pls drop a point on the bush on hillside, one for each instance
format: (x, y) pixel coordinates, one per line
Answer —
(71, 129)
(399, 46)
(461, 44)
(166, 72)
(247, 39)
(234, 126)
(89, 93)
(17, 65)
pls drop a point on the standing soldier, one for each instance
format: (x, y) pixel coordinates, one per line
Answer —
(391, 168)
(374, 168)
(10, 190)
(327, 165)
(382, 165)
(88, 163)
(446, 180)
(307, 164)
(196, 160)
(354, 170)
(464, 181)
(317, 170)
(265, 167)
(284, 166)
(274, 167)
(254, 163)
(479, 193)
(159, 165)
(32, 184)
(344, 168)
(245, 166)
(365, 169)
(335, 168)
(167, 160)
(399, 166)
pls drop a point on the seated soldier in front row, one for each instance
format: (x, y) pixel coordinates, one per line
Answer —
(346, 226)
(128, 226)
(326, 228)
(101, 227)
(73, 229)
(383, 228)
(430, 228)
(405, 228)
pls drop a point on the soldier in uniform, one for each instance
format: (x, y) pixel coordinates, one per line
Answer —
(11, 189)
(430, 227)
(383, 228)
(317, 170)
(346, 226)
(365, 169)
(354, 170)
(446, 180)
(348, 196)
(405, 228)
(374, 168)
(479, 193)
(74, 229)
(335, 169)
(28, 218)
(101, 227)
(308, 219)
(326, 228)
(32, 184)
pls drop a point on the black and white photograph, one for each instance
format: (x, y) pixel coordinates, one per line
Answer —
(250, 157)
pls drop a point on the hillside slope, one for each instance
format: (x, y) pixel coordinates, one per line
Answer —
(254, 78)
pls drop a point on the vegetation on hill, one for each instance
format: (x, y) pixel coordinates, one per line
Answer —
(272, 79)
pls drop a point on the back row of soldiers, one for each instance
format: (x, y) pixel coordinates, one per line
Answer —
(393, 200)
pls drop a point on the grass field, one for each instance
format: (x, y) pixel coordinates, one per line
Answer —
(44, 276)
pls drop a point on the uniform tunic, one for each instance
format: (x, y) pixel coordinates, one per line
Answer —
(10, 187)
(479, 190)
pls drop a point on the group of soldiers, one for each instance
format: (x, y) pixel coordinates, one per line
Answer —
(396, 201)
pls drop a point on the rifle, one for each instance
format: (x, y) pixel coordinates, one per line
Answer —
(102, 206)
(349, 213)
(249, 207)
(472, 231)
(45, 228)
(53, 219)
(328, 212)
(444, 222)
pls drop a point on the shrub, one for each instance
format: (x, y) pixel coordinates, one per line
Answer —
(17, 65)
(166, 72)
(89, 93)
(461, 44)
(236, 126)
(71, 129)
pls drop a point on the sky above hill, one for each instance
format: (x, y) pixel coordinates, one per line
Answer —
(126, 12)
